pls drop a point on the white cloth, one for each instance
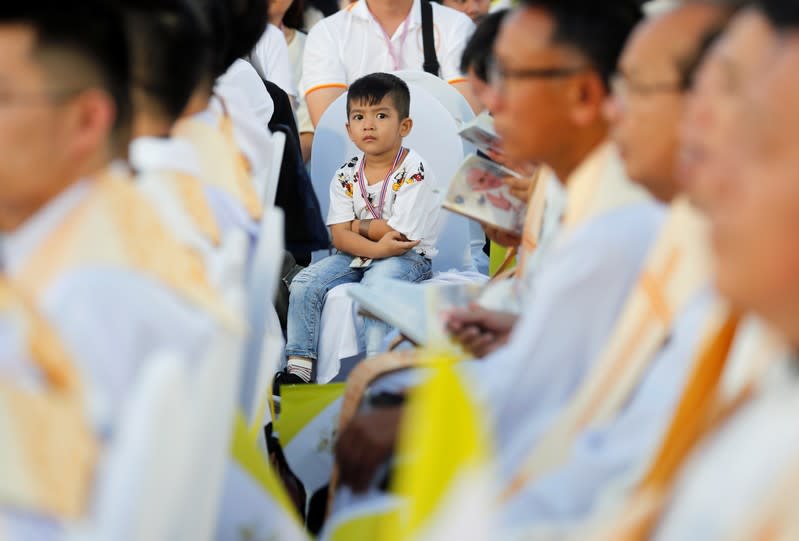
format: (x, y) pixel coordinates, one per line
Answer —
(739, 467)
(351, 44)
(251, 108)
(270, 58)
(578, 293)
(411, 207)
(296, 54)
(242, 82)
(109, 319)
(608, 460)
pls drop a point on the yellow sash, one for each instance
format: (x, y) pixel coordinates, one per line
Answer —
(598, 185)
(221, 160)
(676, 269)
(48, 451)
(115, 225)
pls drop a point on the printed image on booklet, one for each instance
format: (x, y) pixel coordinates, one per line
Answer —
(480, 132)
(478, 191)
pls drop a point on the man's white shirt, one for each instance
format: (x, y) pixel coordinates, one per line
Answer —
(351, 44)
(270, 58)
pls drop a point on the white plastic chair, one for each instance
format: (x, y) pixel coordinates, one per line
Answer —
(452, 100)
(261, 288)
(137, 496)
(213, 401)
(275, 162)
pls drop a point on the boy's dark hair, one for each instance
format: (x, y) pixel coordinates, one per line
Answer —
(170, 51)
(597, 30)
(479, 48)
(89, 34)
(372, 88)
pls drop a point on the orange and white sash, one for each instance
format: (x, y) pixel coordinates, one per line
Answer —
(677, 269)
(115, 225)
(48, 450)
(221, 161)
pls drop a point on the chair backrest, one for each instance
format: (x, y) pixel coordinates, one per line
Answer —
(213, 402)
(452, 100)
(137, 496)
(275, 161)
(261, 288)
(434, 137)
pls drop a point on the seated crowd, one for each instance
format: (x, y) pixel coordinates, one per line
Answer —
(169, 247)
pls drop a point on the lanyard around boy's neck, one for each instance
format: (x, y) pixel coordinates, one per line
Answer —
(377, 212)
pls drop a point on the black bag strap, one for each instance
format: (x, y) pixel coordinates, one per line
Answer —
(431, 64)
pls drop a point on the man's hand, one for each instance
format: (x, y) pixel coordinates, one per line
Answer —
(365, 444)
(480, 331)
(393, 244)
(501, 237)
(521, 188)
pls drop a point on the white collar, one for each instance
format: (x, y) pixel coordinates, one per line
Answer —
(157, 154)
(361, 10)
(19, 245)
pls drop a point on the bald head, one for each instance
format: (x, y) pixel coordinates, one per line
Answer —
(654, 73)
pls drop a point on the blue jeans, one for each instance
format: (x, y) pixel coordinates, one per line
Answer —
(309, 289)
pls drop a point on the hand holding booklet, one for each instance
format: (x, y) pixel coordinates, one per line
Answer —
(478, 191)
(419, 311)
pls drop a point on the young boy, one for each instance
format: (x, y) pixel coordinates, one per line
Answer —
(382, 217)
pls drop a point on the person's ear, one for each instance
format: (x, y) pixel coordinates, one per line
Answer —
(588, 94)
(349, 131)
(90, 118)
(406, 126)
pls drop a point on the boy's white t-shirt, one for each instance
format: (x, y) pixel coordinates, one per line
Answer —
(410, 207)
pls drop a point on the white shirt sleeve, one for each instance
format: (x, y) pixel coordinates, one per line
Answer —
(270, 58)
(322, 65)
(415, 208)
(457, 33)
(342, 206)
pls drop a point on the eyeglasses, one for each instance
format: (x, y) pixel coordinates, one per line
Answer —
(499, 75)
(12, 97)
(624, 87)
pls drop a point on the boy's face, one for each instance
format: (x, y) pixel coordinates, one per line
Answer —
(377, 129)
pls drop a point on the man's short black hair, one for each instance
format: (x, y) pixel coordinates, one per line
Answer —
(236, 26)
(782, 14)
(89, 32)
(598, 30)
(479, 48)
(295, 15)
(371, 89)
(248, 23)
(170, 51)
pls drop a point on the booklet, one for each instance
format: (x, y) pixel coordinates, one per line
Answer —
(418, 311)
(480, 132)
(478, 191)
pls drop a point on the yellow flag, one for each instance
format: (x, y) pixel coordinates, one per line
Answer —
(442, 471)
